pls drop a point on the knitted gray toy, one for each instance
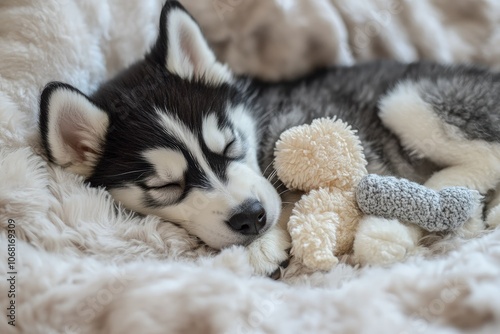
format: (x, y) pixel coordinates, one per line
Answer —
(394, 198)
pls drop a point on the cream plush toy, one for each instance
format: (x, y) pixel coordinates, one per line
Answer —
(325, 160)
(324, 222)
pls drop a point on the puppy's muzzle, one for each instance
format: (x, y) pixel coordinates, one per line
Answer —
(249, 218)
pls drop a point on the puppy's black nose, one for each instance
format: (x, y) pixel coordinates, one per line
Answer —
(249, 219)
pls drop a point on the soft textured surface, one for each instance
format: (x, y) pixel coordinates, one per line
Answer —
(282, 38)
(86, 265)
(393, 198)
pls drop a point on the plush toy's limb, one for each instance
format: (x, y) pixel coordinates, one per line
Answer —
(384, 241)
(322, 226)
(394, 198)
(314, 239)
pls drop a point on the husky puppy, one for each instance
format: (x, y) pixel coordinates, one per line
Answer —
(179, 136)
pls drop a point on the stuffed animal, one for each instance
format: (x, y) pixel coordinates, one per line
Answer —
(326, 161)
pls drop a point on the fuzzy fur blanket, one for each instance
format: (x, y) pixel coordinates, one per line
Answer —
(73, 261)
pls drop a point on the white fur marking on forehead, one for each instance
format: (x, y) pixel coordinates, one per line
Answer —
(245, 124)
(188, 54)
(168, 164)
(174, 127)
(215, 138)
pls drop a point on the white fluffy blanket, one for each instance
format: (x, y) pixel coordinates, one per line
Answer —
(83, 264)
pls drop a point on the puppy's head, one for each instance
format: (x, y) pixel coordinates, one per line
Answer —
(170, 136)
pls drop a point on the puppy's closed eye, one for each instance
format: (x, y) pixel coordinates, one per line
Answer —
(228, 148)
(165, 186)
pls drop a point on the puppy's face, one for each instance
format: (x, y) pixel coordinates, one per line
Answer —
(170, 136)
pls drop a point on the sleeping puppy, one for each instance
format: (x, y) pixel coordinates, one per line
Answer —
(178, 135)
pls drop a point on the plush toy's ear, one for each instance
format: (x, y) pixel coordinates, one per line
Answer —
(184, 51)
(72, 128)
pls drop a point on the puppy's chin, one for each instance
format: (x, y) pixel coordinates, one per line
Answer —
(221, 240)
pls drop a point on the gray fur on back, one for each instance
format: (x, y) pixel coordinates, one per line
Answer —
(463, 96)
(468, 101)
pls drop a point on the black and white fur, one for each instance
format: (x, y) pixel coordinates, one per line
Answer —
(178, 135)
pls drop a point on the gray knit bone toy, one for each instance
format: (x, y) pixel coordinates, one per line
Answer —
(434, 211)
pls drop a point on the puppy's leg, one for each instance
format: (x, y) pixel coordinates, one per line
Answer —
(270, 250)
(427, 124)
(469, 176)
(447, 124)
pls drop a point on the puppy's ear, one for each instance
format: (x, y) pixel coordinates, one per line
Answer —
(72, 127)
(184, 51)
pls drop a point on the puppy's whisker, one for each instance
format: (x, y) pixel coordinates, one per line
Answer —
(276, 182)
(176, 221)
(272, 176)
(129, 172)
(280, 185)
(265, 170)
(284, 192)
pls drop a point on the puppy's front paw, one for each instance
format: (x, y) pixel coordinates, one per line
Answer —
(268, 252)
(383, 241)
